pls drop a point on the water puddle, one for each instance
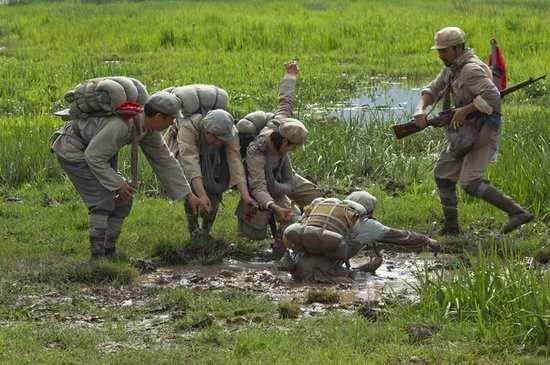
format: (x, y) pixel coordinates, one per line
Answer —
(384, 100)
(395, 276)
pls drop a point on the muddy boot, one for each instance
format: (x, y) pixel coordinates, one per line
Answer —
(114, 226)
(278, 249)
(447, 196)
(192, 222)
(98, 228)
(450, 226)
(208, 219)
(517, 216)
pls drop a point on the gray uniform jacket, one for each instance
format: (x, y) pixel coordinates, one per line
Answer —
(470, 80)
(97, 140)
(188, 141)
(261, 151)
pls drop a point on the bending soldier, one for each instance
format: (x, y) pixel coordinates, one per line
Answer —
(474, 134)
(272, 180)
(87, 150)
(330, 232)
(210, 157)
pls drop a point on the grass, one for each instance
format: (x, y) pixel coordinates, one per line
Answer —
(492, 308)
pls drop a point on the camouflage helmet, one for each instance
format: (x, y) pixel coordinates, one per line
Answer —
(449, 37)
(364, 198)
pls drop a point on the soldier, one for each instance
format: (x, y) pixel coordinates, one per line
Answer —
(87, 150)
(210, 157)
(272, 180)
(331, 231)
(474, 134)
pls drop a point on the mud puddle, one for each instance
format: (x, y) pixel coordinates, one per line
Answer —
(394, 277)
(384, 100)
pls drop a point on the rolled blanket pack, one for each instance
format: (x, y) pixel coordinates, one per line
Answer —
(101, 96)
(200, 99)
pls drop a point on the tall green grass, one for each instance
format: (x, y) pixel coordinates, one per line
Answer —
(504, 298)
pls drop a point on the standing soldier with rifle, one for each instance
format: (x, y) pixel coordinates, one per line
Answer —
(474, 131)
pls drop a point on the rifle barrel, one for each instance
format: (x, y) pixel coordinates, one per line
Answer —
(520, 85)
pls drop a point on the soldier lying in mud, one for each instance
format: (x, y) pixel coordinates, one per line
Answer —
(330, 232)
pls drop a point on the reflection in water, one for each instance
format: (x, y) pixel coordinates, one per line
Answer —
(387, 101)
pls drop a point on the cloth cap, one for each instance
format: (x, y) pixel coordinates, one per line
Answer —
(293, 130)
(364, 198)
(165, 103)
(449, 37)
(221, 124)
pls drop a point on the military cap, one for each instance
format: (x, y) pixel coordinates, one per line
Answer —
(449, 37)
(166, 104)
(221, 124)
(294, 131)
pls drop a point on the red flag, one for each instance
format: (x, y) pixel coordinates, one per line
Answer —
(497, 65)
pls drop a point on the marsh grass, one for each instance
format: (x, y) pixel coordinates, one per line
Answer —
(502, 297)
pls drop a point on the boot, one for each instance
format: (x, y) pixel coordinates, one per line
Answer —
(447, 195)
(192, 222)
(517, 216)
(208, 219)
(98, 227)
(450, 226)
(114, 226)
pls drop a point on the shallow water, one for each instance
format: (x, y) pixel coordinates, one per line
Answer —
(390, 101)
(396, 275)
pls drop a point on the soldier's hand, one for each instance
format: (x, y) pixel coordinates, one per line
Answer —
(459, 117)
(420, 120)
(205, 203)
(283, 214)
(291, 68)
(249, 200)
(125, 192)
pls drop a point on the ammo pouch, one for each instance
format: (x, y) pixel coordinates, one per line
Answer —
(253, 222)
(462, 139)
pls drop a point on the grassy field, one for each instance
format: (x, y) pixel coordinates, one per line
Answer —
(492, 309)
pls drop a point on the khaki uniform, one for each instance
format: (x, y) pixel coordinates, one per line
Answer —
(261, 154)
(190, 156)
(87, 150)
(471, 148)
(332, 231)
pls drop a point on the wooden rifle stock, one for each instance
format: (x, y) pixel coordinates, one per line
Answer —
(444, 118)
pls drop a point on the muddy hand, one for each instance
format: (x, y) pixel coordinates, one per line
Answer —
(194, 201)
(125, 192)
(291, 68)
(420, 120)
(459, 116)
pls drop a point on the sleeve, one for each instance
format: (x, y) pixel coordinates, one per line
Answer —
(189, 150)
(165, 165)
(368, 230)
(437, 85)
(481, 85)
(101, 149)
(406, 240)
(255, 162)
(286, 97)
(235, 163)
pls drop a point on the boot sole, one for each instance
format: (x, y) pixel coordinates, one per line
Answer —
(526, 219)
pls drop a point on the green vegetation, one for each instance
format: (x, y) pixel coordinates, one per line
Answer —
(492, 308)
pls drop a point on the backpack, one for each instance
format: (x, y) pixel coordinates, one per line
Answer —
(103, 96)
(250, 126)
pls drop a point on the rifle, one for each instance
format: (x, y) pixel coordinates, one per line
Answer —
(445, 117)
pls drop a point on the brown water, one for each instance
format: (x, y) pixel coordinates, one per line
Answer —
(395, 276)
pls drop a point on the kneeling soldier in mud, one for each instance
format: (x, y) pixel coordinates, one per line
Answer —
(331, 232)
(87, 149)
(474, 134)
(210, 157)
(272, 180)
